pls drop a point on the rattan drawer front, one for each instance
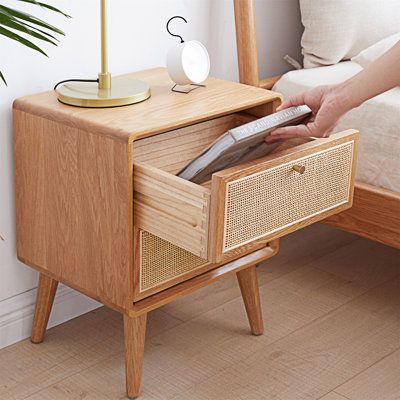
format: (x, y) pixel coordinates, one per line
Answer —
(162, 262)
(269, 198)
(263, 203)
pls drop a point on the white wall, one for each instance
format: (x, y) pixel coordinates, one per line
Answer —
(279, 31)
(137, 40)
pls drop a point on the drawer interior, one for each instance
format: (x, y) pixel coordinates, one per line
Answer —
(171, 151)
(166, 205)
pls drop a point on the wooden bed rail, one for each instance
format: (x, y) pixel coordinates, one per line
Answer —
(268, 83)
(246, 43)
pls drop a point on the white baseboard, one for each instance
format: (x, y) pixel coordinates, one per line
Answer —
(16, 313)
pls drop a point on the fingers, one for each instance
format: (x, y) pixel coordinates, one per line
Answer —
(271, 140)
(293, 131)
(295, 100)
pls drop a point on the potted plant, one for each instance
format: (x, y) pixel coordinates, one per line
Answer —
(26, 28)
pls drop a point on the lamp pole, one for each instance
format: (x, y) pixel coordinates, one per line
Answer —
(104, 75)
(118, 91)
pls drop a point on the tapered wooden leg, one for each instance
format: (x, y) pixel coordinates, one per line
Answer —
(251, 297)
(134, 332)
(44, 301)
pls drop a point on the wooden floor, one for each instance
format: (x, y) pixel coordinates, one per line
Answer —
(331, 306)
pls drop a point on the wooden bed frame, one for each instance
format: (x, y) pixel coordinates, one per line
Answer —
(376, 212)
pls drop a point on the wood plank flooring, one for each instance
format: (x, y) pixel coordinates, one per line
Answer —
(331, 305)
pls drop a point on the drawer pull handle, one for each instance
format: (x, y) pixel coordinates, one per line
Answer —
(299, 168)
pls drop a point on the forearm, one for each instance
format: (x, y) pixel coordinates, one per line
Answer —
(381, 75)
(329, 103)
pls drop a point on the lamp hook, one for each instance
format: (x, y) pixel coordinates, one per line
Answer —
(172, 34)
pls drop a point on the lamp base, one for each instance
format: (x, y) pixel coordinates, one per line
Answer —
(124, 91)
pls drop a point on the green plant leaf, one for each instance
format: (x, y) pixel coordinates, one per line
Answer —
(13, 23)
(2, 78)
(44, 5)
(30, 18)
(30, 26)
(20, 39)
(41, 31)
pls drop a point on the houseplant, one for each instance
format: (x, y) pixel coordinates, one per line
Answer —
(19, 26)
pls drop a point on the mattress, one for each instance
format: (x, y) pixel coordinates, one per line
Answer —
(378, 121)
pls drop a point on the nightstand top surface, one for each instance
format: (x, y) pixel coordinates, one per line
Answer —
(165, 110)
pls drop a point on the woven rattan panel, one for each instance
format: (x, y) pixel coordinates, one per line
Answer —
(259, 204)
(161, 261)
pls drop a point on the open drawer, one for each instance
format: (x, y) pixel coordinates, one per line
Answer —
(244, 205)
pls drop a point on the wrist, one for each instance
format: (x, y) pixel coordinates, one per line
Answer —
(345, 96)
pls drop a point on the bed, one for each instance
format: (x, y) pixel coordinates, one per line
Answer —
(376, 209)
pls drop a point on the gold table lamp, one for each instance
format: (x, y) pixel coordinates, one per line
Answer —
(106, 91)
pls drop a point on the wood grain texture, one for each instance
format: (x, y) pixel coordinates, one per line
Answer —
(296, 251)
(134, 338)
(246, 45)
(171, 151)
(172, 208)
(293, 151)
(246, 42)
(266, 108)
(333, 396)
(74, 207)
(375, 214)
(268, 83)
(379, 381)
(72, 212)
(46, 291)
(169, 207)
(344, 335)
(198, 347)
(71, 350)
(162, 112)
(75, 195)
(248, 284)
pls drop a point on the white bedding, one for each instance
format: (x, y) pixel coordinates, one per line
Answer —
(378, 121)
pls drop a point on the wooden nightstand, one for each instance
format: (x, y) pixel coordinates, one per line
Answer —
(100, 209)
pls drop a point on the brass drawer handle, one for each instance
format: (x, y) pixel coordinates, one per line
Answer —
(299, 168)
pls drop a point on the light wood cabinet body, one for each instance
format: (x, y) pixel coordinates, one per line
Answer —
(100, 209)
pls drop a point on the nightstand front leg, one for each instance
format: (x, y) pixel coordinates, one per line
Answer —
(134, 332)
(46, 291)
(248, 283)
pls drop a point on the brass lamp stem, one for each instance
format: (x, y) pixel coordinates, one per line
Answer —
(104, 75)
(118, 91)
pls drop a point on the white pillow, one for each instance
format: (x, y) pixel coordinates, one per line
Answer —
(373, 52)
(336, 30)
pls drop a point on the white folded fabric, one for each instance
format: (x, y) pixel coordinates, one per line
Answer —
(373, 52)
(336, 30)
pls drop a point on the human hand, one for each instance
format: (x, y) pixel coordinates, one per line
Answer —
(327, 107)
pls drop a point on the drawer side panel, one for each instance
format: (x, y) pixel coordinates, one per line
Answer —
(172, 208)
